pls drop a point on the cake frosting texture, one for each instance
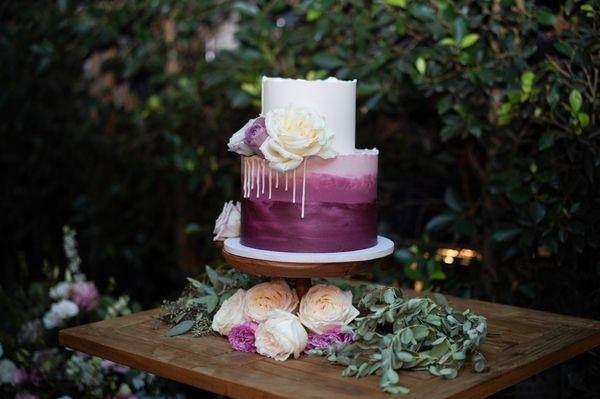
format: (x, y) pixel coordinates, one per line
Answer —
(326, 206)
(305, 187)
(334, 99)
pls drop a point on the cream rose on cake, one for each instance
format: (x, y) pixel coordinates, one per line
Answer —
(228, 222)
(231, 313)
(325, 307)
(295, 133)
(263, 298)
(280, 336)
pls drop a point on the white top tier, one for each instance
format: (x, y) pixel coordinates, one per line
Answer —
(334, 99)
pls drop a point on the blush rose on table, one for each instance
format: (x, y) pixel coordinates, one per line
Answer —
(269, 319)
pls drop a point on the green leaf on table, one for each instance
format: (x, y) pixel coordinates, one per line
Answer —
(180, 328)
(440, 299)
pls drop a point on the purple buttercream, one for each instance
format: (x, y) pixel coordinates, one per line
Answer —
(326, 227)
(256, 134)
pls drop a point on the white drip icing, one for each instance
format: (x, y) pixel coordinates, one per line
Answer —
(270, 181)
(252, 175)
(263, 177)
(258, 180)
(294, 188)
(276, 179)
(245, 177)
(303, 187)
(286, 181)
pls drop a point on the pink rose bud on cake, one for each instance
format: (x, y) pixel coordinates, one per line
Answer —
(280, 336)
(256, 134)
(228, 222)
(85, 295)
(237, 141)
(242, 337)
(325, 307)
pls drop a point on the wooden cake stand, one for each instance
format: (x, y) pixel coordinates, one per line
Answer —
(303, 266)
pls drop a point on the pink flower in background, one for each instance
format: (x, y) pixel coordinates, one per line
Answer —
(256, 134)
(85, 295)
(116, 367)
(19, 376)
(241, 337)
(332, 338)
(25, 395)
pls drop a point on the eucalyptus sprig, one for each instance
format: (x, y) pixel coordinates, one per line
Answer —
(194, 308)
(417, 334)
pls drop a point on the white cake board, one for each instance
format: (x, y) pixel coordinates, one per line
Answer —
(384, 247)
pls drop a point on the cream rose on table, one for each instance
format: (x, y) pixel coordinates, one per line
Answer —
(325, 307)
(294, 134)
(231, 313)
(280, 336)
(228, 222)
(266, 297)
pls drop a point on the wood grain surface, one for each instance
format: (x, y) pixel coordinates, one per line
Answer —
(521, 343)
(298, 270)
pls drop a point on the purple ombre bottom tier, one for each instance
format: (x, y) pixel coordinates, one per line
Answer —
(323, 206)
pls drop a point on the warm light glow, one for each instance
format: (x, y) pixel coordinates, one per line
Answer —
(418, 286)
(462, 256)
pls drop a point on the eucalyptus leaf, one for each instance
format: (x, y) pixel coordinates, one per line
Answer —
(180, 328)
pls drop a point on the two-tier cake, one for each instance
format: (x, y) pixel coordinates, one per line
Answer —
(304, 185)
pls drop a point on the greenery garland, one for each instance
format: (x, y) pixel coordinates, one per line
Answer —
(391, 333)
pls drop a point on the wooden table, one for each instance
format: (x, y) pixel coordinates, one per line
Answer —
(521, 343)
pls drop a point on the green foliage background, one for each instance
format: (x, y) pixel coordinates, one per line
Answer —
(486, 113)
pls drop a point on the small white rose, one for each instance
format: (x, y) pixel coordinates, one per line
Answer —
(228, 222)
(59, 312)
(280, 336)
(325, 307)
(266, 297)
(231, 313)
(7, 369)
(294, 134)
(236, 142)
(60, 290)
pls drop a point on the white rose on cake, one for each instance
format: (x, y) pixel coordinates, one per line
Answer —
(325, 307)
(228, 222)
(294, 134)
(230, 314)
(266, 297)
(280, 336)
